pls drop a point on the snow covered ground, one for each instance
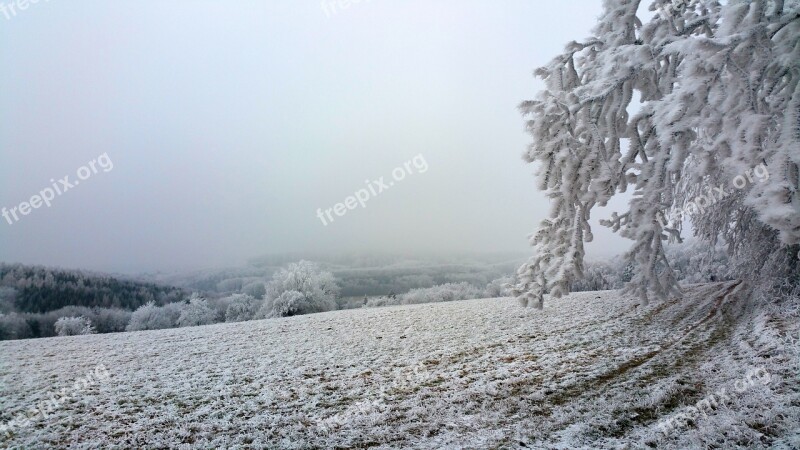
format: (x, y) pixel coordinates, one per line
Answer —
(592, 370)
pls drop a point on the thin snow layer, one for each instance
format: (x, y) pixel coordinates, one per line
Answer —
(592, 370)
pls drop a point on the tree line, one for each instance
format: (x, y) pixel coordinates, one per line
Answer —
(40, 289)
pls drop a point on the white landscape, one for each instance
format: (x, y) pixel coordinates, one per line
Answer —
(425, 224)
(592, 370)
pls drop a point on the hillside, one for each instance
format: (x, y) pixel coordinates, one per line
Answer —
(593, 370)
(37, 289)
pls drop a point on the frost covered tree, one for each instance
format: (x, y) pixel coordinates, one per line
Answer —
(110, 320)
(74, 326)
(255, 289)
(196, 312)
(499, 287)
(599, 276)
(300, 288)
(718, 99)
(152, 317)
(289, 303)
(14, 326)
(241, 307)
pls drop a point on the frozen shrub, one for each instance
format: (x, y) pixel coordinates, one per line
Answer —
(220, 307)
(197, 312)
(600, 276)
(501, 287)
(74, 326)
(442, 293)
(241, 307)
(14, 326)
(110, 320)
(152, 317)
(289, 303)
(301, 288)
(698, 262)
(376, 302)
(447, 292)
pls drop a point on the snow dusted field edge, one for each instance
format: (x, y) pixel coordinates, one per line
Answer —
(593, 370)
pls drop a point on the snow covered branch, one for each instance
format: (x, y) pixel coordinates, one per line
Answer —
(719, 93)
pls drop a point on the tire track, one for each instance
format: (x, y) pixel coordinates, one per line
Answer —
(596, 383)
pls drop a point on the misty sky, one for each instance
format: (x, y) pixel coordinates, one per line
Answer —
(229, 123)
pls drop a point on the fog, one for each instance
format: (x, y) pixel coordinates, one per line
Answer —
(206, 133)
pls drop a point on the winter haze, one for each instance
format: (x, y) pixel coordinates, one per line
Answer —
(229, 125)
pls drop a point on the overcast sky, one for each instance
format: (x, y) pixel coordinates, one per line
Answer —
(230, 123)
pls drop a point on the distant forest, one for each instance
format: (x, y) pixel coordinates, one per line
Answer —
(357, 274)
(34, 289)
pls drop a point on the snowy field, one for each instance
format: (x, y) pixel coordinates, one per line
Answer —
(592, 370)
